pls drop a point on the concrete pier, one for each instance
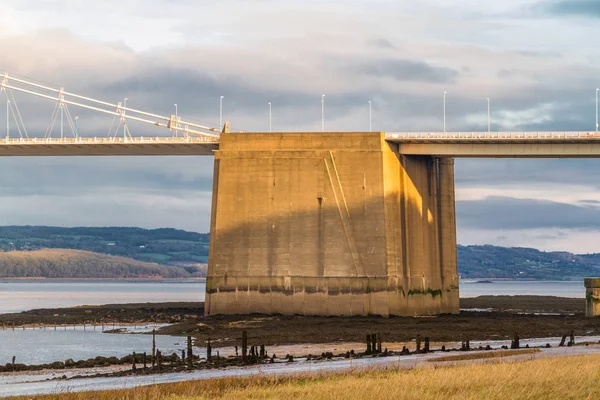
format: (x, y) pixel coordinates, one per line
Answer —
(592, 297)
(330, 224)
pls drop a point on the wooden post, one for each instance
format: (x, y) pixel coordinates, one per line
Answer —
(378, 343)
(144, 359)
(190, 354)
(263, 353)
(515, 342)
(368, 345)
(244, 346)
(572, 337)
(208, 350)
(562, 341)
(159, 359)
(374, 342)
(418, 343)
(153, 345)
(426, 347)
(133, 367)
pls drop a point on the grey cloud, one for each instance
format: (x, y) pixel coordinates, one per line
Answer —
(498, 212)
(581, 8)
(381, 43)
(527, 172)
(590, 202)
(132, 176)
(406, 70)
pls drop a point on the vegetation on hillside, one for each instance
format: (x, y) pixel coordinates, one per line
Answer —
(61, 263)
(554, 378)
(189, 250)
(524, 263)
(162, 246)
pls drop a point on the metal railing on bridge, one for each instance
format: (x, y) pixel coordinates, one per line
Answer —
(491, 135)
(108, 140)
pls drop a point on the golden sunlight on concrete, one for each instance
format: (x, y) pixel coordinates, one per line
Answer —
(330, 224)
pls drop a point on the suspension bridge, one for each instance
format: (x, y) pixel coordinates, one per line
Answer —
(176, 136)
(326, 223)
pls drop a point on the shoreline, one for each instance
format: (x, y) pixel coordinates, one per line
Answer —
(41, 278)
(481, 318)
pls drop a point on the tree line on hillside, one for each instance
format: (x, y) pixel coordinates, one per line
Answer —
(60, 263)
(155, 245)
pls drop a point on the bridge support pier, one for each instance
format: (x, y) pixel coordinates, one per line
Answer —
(592, 297)
(330, 224)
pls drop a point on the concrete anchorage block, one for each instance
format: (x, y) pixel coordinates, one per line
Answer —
(592, 297)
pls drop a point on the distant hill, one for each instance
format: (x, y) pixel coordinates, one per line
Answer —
(189, 250)
(524, 263)
(162, 246)
(62, 263)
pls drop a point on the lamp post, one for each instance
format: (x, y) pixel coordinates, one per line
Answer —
(124, 120)
(489, 119)
(597, 90)
(323, 113)
(7, 118)
(370, 117)
(270, 118)
(221, 113)
(76, 127)
(176, 119)
(445, 93)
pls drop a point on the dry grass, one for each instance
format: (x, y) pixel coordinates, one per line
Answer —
(560, 378)
(488, 354)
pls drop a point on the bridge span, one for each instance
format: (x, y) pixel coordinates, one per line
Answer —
(329, 223)
(450, 144)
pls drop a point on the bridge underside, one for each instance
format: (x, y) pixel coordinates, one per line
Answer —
(331, 224)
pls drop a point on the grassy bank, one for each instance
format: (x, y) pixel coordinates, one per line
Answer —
(560, 378)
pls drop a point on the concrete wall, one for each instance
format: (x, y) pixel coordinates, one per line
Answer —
(592, 297)
(330, 224)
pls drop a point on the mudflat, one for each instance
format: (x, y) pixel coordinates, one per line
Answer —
(505, 316)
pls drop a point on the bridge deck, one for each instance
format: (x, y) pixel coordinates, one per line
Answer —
(450, 144)
(139, 146)
(499, 144)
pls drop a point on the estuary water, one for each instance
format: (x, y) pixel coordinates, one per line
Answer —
(79, 343)
(21, 295)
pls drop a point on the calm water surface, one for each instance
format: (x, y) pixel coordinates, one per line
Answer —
(41, 346)
(472, 288)
(21, 295)
(17, 296)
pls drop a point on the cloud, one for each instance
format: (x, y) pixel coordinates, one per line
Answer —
(400, 55)
(407, 70)
(512, 213)
(580, 8)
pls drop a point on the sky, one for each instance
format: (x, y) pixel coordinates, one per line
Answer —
(537, 61)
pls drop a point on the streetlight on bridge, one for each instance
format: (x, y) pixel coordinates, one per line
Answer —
(597, 90)
(370, 118)
(7, 118)
(176, 119)
(323, 113)
(270, 119)
(445, 93)
(489, 119)
(221, 113)
(124, 120)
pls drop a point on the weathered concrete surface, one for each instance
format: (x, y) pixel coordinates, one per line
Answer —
(330, 224)
(592, 297)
